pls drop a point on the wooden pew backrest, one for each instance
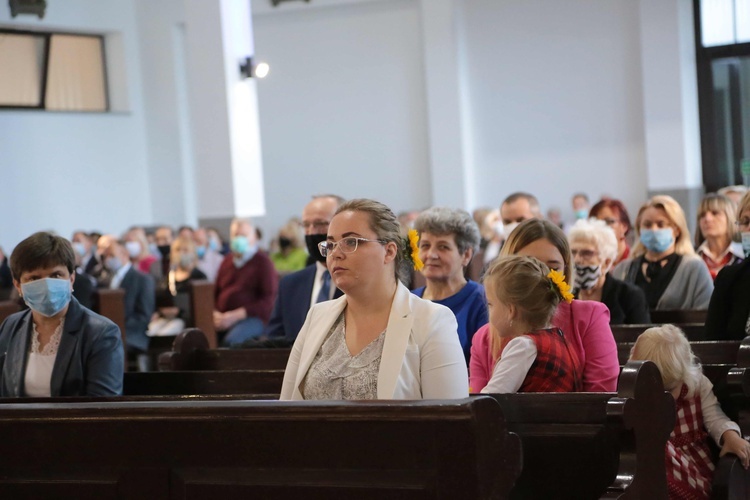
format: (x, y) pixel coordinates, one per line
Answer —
(246, 449)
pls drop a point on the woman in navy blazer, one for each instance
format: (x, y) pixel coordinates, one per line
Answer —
(57, 347)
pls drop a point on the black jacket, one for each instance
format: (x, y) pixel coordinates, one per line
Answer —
(730, 303)
(89, 359)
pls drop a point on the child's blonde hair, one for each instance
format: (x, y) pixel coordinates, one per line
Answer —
(522, 281)
(669, 349)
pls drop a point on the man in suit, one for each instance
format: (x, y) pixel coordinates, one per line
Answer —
(140, 296)
(299, 291)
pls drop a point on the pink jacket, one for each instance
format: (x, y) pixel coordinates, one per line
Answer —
(585, 325)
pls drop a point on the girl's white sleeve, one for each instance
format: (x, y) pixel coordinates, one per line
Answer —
(511, 369)
(714, 419)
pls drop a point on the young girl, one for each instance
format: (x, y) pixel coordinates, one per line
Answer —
(688, 458)
(522, 295)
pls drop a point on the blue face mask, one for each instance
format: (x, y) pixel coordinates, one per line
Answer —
(46, 296)
(746, 244)
(239, 244)
(214, 245)
(657, 240)
(79, 248)
(200, 251)
(581, 214)
(113, 264)
(242, 250)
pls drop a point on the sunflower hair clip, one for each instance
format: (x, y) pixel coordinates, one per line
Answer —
(411, 250)
(557, 284)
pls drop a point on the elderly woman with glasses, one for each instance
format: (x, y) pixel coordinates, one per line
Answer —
(448, 239)
(593, 246)
(729, 310)
(377, 341)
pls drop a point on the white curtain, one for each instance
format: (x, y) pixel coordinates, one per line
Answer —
(21, 60)
(75, 76)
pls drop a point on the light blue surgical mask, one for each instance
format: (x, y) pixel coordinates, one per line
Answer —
(657, 240)
(581, 214)
(214, 245)
(746, 244)
(80, 248)
(47, 296)
(200, 251)
(241, 245)
(113, 264)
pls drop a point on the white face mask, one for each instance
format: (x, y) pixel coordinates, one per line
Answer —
(508, 228)
(746, 243)
(134, 248)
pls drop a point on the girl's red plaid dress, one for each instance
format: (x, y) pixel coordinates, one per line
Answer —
(690, 468)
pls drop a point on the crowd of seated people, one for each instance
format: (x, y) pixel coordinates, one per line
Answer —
(659, 269)
(538, 320)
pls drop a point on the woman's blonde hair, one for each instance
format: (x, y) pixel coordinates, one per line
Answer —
(713, 202)
(673, 211)
(522, 282)
(532, 230)
(744, 205)
(670, 351)
(292, 231)
(385, 225)
(138, 234)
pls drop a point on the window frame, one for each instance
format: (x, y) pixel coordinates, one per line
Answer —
(47, 36)
(704, 59)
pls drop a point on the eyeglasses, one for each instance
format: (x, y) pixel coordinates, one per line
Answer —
(584, 254)
(346, 245)
(742, 222)
(318, 224)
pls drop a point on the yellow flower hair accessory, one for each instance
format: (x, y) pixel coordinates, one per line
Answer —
(413, 250)
(558, 280)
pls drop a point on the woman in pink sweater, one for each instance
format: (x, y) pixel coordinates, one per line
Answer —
(585, 324)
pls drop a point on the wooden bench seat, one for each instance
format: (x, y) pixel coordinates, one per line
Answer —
(251, 383)
(248, 449)
(592, 445)
(191, 351)
(629, 333)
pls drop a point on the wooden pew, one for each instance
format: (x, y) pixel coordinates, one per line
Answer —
(681, 316)
(594, 445)
(629, 333)
(110, 303)
(716, 358)
(8, 307)
(191, 351)
(202, 309)
(255, 384)
(249, 449)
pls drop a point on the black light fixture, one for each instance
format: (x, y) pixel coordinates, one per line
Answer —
(27, 7)
(276, 3)
(246, 67)
(250, 70)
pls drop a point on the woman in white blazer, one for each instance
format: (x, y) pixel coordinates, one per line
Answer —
(378, 341)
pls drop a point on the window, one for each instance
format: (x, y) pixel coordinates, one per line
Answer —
(722, 29)
(52, 71)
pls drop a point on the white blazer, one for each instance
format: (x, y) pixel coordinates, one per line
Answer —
(422, 357)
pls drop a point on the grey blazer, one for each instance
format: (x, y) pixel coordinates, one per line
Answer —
(691, 286)
(89, 360)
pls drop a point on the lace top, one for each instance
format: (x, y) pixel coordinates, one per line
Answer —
(336, 374)
(38, 376)
(54, 342)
